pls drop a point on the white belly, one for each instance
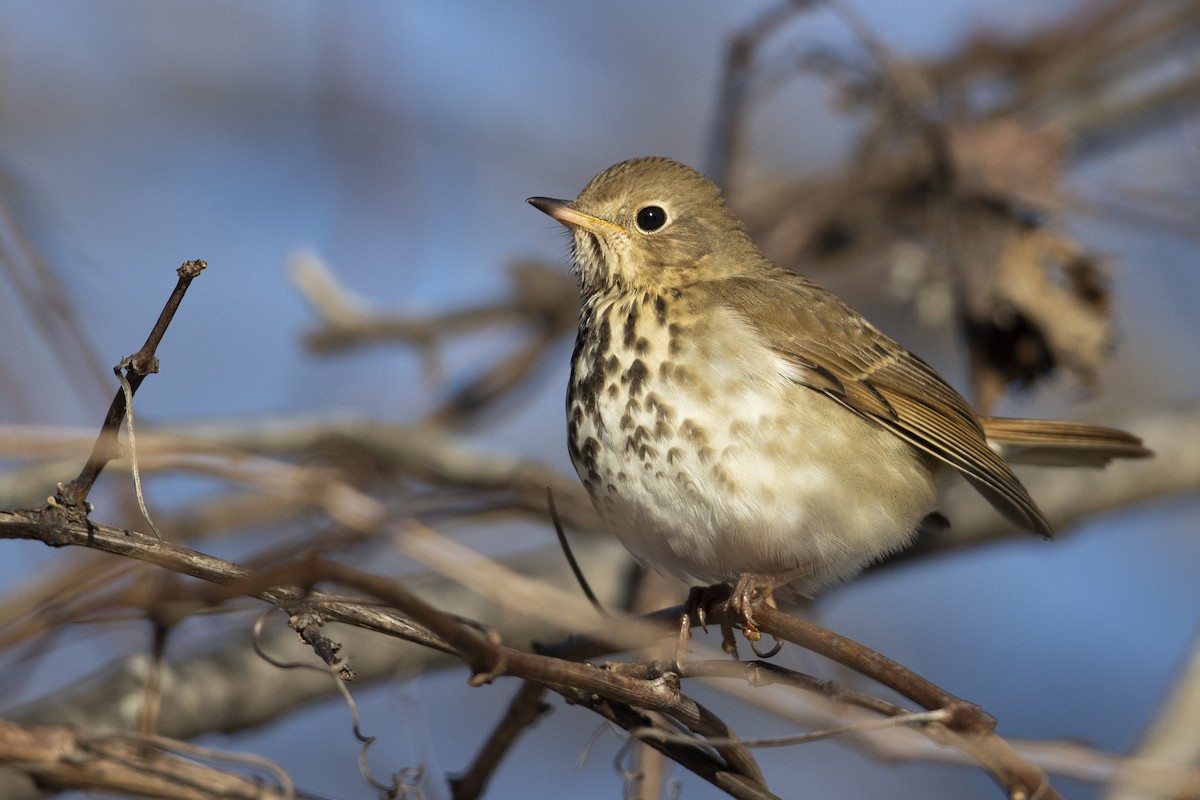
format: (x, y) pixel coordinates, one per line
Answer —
(738, 469)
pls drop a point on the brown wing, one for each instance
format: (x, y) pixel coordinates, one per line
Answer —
(838, 353)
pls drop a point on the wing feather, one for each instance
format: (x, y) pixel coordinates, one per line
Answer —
(838, 353)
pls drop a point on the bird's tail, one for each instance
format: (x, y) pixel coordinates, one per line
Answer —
(1057, 443)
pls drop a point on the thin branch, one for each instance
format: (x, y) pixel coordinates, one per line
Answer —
(486, 656)
(825, 642)
(489, 659)
(525, 709)
(543, 301)
(62, 758)
(969, 728)
(699, 762)
(541, 295)
(51, 526)
(576, 570)
(137, 367)
(736, 78)
(908, 718)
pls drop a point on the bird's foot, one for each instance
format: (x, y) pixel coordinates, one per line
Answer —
(747, 594)
(701, 598)
(750, 592)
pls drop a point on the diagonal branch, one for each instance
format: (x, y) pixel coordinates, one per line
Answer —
(137, 367)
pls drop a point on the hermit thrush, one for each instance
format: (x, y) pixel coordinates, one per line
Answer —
(735, 422)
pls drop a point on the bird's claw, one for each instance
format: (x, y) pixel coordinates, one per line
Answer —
(750, 592)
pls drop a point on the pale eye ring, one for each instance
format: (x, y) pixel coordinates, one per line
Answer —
(650, 218)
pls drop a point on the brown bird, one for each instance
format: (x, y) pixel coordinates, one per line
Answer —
(735, 422)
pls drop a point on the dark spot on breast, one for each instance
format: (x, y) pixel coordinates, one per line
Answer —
(626, 422)
(603, 334)
(588, 452)
(587, 368)
(637, 443)
(635, 440)
(636, 377)
(660, 309)
(631, 326)
(662, 412)
(642, 346)
(674, 454)
(585, 389)
(674, 339)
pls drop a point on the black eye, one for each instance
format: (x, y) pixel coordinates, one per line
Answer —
(651, 218)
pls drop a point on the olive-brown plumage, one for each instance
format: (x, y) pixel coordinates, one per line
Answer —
(731, 418)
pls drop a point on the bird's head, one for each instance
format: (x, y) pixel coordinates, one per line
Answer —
(651, 224)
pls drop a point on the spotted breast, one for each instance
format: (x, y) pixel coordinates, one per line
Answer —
(702, 457)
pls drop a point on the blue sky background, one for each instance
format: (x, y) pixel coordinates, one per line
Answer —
(398, 140)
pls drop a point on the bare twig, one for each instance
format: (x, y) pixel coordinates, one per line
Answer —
(137, 367)
(489, 659)
(734, 90)
(909, 718)
(525, 709)
(569, 554)
(969, 728)
(543, 301)
(698, 761)
(837, 648)
(29, 269)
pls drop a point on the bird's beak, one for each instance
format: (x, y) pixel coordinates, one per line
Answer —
(566, 213)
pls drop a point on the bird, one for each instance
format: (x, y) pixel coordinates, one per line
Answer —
(735, 423)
